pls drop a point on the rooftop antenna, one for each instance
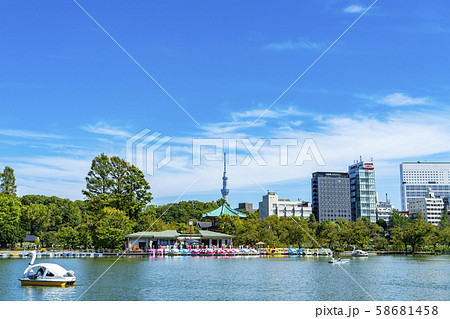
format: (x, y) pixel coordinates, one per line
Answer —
(225, 191)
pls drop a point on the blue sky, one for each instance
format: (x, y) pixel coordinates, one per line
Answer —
(68, 92)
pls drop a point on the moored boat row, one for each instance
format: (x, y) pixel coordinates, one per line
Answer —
(240, 251)
(193, 251)
(52, 255)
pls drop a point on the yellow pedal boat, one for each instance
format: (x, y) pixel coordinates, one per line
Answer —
(46, 274)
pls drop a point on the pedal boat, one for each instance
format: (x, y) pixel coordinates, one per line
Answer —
(173, 252)
(293, 251)
(337, 261)
(273, 252)
(47, 274)
(359, 253)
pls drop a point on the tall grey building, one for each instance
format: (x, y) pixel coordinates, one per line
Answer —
(331, 196)
(362, 190)
(417, 177)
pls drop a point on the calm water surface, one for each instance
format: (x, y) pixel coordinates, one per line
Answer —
(241, 278)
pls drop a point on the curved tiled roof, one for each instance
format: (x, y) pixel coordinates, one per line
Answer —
(224, 210)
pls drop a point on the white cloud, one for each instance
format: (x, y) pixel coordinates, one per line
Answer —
(264, 113)
(354, 9)
(222, 129)
(399, 99)
(105, 129)
(340, 140)
(301, 43)
(50, 175)
(28, 134)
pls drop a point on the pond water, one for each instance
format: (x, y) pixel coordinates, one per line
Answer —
(239, 278)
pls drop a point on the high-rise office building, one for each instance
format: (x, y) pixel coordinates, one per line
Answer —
(362, 190)
(330, 196)
(417, 177)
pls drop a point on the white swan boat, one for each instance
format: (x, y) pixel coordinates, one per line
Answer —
(359, 253)
(46, 274)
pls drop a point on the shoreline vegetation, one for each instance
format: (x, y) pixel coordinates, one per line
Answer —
(118, 202)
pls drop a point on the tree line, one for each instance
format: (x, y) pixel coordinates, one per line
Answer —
(118, 202)
(400, 233)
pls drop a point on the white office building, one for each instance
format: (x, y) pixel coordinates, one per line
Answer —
(430, 207)
(417, 177)
(384, 209)
(272, 205)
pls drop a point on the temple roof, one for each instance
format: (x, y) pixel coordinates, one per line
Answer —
(224, 210)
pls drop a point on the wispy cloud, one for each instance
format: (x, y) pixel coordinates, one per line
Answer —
(301, 43)
(400, 99)
(223, 128)
(105, 129)
(354, 9)
(277, 113)
(390, 139)
(28, 134)
(50, 175)
(398, 135)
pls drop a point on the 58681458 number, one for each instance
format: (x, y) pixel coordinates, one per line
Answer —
(407, 310)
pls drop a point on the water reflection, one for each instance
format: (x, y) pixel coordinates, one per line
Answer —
(240, 278)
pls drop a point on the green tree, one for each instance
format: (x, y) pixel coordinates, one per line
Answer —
(377, 235)
(85, 233)
(111, 228)
(397, 226)
(290, 233)
(398, 219)
(8, 182)
(417, 232)
(67, 237)
(10, 211)
(398, 237)
(229, 224)
(433, 238)
(329, 233)
(112, 182)
(445, 222)
(361, 233)
(35, 219)
(61, 212)
(48, 238)
(382, 223)
(248, 232)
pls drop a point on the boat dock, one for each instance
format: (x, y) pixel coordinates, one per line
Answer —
(167, 251)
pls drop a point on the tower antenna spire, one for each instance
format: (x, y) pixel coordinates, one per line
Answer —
(225, 191)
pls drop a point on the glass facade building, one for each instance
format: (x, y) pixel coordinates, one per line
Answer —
(417, 177)
(330, 196)
(362, 190)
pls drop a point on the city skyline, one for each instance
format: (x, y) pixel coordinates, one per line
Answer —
(74, 93)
